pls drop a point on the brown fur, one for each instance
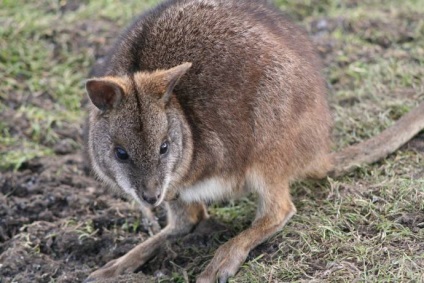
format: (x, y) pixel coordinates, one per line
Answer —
(248, 113)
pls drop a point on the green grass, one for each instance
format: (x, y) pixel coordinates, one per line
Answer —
(367, 226)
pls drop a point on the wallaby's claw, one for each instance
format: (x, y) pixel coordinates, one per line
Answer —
(88, 280)
(111, 269)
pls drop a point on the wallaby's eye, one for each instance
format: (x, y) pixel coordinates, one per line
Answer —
(121, 154)
(164, 148)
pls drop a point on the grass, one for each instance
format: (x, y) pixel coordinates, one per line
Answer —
(367, 226)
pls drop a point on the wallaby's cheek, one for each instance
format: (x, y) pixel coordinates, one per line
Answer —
(99, 152)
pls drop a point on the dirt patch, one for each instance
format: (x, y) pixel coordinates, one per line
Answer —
(58, 223)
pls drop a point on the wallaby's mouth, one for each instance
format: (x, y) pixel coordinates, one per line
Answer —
(152, 200)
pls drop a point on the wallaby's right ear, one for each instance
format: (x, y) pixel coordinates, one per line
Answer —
(105, 93)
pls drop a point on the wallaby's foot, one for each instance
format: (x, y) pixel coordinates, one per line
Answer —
(126, 263)
(225, 264)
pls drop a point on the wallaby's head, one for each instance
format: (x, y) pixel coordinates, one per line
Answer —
(138, 138)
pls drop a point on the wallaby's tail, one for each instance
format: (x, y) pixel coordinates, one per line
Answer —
(379, 146)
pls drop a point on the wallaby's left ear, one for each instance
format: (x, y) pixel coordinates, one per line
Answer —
(105, 93)
(171, 78)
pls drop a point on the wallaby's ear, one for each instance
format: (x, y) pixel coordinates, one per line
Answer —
(161, 83)
(105, 93)
(171, 78)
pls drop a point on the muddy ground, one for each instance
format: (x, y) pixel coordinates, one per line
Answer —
(57, 224)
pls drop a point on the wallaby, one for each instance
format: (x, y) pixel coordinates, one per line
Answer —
(204, 100)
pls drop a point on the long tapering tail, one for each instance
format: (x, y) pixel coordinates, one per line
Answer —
(380, 146)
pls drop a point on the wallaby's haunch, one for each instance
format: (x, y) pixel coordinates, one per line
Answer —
(203, 100)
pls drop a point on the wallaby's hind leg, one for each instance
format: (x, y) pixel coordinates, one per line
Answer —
(182, 218)
(274, 210)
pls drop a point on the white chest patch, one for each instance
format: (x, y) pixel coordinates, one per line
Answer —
(209, 190)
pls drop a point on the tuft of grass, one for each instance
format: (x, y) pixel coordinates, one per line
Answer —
(86, 231)
(238, 213)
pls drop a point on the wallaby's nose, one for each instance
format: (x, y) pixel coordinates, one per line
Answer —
(150, 199)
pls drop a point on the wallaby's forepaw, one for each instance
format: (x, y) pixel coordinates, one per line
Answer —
(225, 264)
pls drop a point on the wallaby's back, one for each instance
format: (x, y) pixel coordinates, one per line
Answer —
(255, 80)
